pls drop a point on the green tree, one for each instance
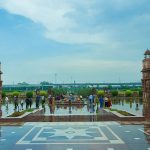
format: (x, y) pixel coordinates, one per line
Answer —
(109, 87)
(114, 93)
(128, 93)
(3, 94)
(15, 93)
(57, 91)
(44, 83)
(43, 93)
(100, 93)
(29, 94)
(94, 91)
(85, 91)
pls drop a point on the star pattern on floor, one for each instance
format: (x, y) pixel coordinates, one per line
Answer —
(71, 133)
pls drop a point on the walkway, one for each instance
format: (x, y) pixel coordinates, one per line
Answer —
(75, 136)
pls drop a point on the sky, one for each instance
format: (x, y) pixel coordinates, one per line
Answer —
(64, 41)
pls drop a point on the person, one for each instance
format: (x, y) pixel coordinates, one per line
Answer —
(52, 105)
(90, 99)
(106, 101)
(50, 99)
(96, 100)
(21, 103)
(43, 101)
(70, 99)
(16, 102)
(30, 102)
(53, 101)
(27, 102)
(101, 101)
(109, 103)
(6, 101)
(81, 98)
(37, 101)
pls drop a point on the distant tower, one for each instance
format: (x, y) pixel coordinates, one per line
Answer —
(146, 83)
(0, 90)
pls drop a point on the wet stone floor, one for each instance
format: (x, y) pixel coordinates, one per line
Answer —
(75, 136)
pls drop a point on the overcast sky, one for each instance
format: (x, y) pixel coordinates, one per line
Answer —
(81, 40)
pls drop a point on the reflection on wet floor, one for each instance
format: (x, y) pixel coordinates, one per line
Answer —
(72, 109)
(131, 105)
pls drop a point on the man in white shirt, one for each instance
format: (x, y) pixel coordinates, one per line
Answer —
(6, 101)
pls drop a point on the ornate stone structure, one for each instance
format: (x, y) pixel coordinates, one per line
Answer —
(146, 83)
(0, 90)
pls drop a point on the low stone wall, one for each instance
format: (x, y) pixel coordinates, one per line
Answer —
(23, 117)
(104, 115)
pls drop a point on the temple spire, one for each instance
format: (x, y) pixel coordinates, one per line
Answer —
(146, 83)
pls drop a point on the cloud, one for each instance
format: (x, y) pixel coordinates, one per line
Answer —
(58, 19)
(80, 22)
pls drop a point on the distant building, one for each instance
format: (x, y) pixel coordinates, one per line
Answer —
(146, 83)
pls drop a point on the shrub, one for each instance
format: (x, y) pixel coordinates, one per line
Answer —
(29, 94)
(17, 113)
(60, 91)
(16, 93)
(84, 92)
(128, 93)
(43, 93)
(100, 93)
(124, 113)
(30, 110)
(20, 113)
(114, 93)
(94, 91)
(3, 94)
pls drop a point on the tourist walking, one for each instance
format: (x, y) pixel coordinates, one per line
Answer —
(70, 98)
(27, 102)
(50, 99)
(96, 100)
(106, 101)
(109, 103)
(90, 99)
(101, 101)
(37, 101)
(43, 101)
(81, 98)
(6, 101)
(21, 103)
(52, 105)
(16, 102)
(30, 102)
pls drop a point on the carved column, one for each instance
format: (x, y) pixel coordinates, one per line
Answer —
(146, 84)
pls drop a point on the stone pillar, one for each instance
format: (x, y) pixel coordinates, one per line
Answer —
(146, 84)
(0, 90)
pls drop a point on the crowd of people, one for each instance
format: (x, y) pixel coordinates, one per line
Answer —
(19, 102)
(103, 101)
